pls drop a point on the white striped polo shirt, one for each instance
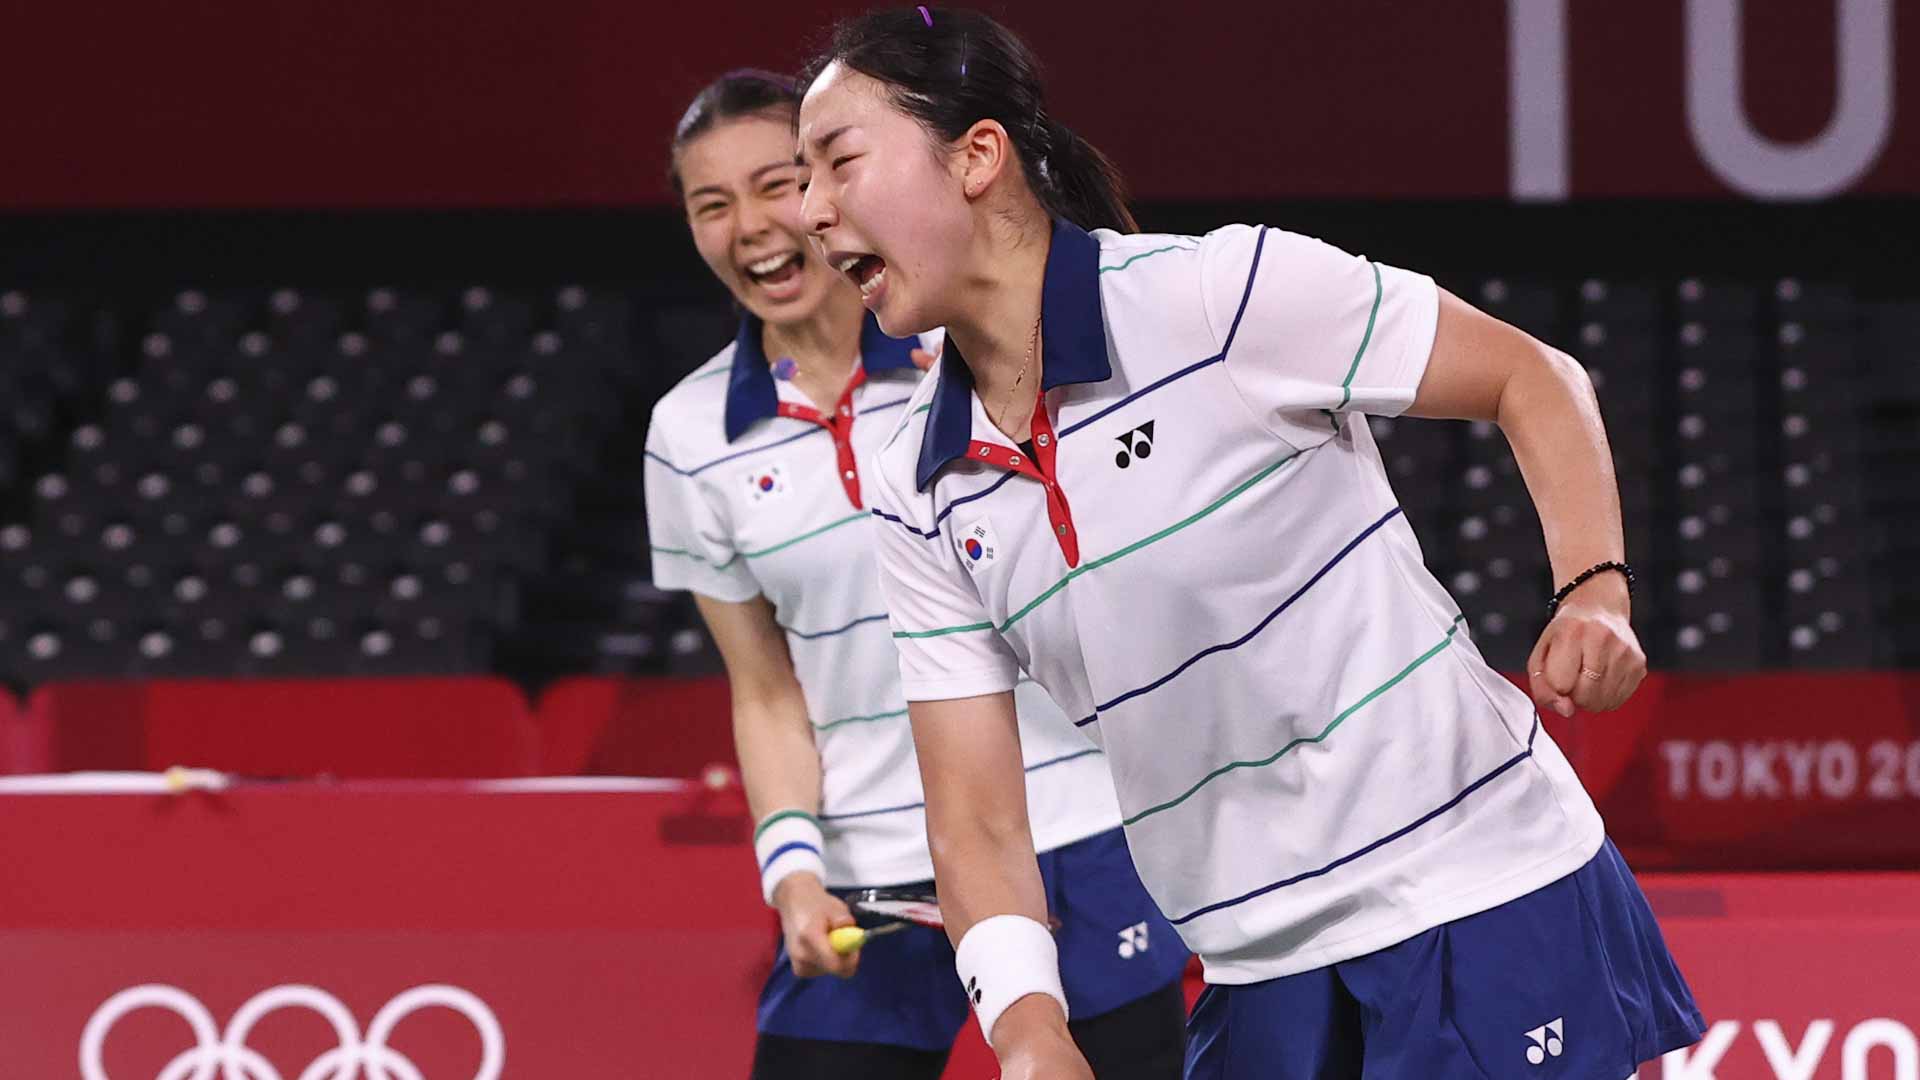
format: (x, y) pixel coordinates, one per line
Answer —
(746, 500)
(1209, 570)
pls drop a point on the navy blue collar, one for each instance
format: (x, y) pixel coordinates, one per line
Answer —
(1072, 326)
(751, 396)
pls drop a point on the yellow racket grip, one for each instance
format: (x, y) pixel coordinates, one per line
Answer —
(847, 940)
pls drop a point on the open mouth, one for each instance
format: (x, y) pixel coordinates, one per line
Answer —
(776, 270)
(866, 271)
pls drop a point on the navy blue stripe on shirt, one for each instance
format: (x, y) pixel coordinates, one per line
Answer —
(1036, 767)
(668, 464)
(981, 494)
(812, 429)
(1377, 844)
(1227, 646)
(889, 517)
(948, 509)
(1142, 392)
(1245, 295)
(1258, 245)
(836, 630)
(791, 845)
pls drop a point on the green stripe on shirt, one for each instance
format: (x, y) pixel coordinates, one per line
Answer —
(831, 724)
(1297, 743)
(829, 527)
(1149, 254)
(1346, 385)
(685, 554)
(1105, 559)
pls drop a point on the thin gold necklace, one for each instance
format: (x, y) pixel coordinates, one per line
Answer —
(1033, 342)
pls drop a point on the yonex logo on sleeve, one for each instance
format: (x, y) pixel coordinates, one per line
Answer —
(1137, 443)
(1133, 940)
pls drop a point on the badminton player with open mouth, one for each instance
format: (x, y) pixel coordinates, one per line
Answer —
(1386, 866)
(757, 477)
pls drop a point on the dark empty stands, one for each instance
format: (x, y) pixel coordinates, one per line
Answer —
(385, 480)
(313, 484)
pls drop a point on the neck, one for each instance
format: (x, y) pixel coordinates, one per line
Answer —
(999, 306)
(823, 345)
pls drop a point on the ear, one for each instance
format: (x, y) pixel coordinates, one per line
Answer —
(982, 153)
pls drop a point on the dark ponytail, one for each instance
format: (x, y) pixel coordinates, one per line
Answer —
(1082, 184)
(741, 92)
(950, 69)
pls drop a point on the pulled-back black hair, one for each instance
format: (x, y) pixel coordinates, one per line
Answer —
(950, 69)
(740, 92)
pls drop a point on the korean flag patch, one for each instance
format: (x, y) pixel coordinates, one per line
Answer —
(766, 483)
(977, 544)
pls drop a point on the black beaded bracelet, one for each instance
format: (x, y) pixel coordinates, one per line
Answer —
(1553, 605)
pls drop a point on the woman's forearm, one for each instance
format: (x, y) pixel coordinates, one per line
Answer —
(772, 735)
(779, 763)
(977, 826)
(1551, 418)
(983, 859)
(985, 864)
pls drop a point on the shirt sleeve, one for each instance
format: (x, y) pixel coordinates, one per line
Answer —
(690, 540)
(1310, 331)
(946, 639)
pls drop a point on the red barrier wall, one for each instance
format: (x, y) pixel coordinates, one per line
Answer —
(612, 935)
(281, 728)
(19, 750)
(606, 935)
(1759, 771)
(1762, 771)
(593, 725)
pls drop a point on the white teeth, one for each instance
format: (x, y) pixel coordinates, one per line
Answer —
(872, 283)
(771, 263)
(846, 264)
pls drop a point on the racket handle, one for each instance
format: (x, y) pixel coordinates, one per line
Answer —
(847, 940)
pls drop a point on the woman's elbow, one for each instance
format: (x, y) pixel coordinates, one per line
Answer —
(1550, 375)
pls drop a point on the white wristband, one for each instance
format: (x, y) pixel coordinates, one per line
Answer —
(787, 842)
(1003, 959)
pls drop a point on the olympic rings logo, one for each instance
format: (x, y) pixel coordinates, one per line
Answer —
(229, 1054)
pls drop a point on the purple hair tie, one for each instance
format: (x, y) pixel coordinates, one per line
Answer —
(927, 15)
(784, 368)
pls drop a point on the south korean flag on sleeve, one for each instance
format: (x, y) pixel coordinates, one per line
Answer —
(769, 482)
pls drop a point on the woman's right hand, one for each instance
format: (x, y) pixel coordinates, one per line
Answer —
(808, 912)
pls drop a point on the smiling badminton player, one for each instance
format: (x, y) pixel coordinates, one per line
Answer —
(757, 470)
(1137, 472)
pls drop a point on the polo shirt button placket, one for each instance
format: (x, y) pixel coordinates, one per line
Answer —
(1058, 512)
(1039, 467)
(839, 427)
